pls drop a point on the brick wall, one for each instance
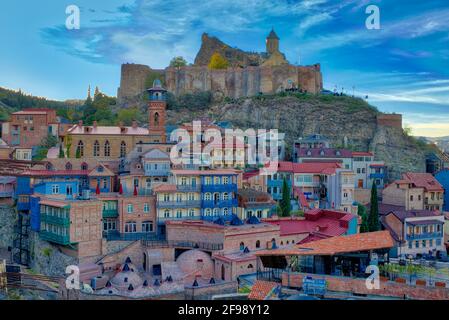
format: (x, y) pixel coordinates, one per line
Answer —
(387, 288)
(390, 120)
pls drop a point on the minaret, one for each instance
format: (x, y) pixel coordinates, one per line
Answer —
(88, 93)
(156, 112)
(272, 42)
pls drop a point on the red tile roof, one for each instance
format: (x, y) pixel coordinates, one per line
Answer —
(308, 167)
(359, 154)
(328, 223)
(423, 180)
(262, 289)
(337, 245)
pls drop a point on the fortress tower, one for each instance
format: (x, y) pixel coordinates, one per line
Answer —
(272, 42)
(156, 112)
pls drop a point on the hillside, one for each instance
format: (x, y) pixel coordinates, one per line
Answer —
(341, 119)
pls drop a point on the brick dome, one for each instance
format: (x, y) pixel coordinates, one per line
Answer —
(196, 263)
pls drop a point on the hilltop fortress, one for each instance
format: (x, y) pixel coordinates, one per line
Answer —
(248, 73)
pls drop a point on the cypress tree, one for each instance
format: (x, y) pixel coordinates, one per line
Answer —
(361, 211)
(373, 218)
(61, 151)
(285, 201)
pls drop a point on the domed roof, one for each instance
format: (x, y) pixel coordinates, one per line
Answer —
(126, 277)
(196, 262)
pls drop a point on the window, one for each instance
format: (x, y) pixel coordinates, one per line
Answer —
(96, 148)
(216, 211)
(147, 226)
(55, 189)
(146, 207)
(225, 180)
(68, 166)
(69, 190)
(105, 183)
(107, 149)
(208, 196)
(225, 196)
(130, 208)
(411, 198)
(416, 244)
(122, 149)
(438, 241)
(84, 166)
(430, 242)
(410, 245)
(130, 227)
(225, 211)
(258, 244)
(179, 214)
(242, 246)
(80, 149)
(259, 214)
(207, 212)
(424, 243)
(166, 214)
(191, 212)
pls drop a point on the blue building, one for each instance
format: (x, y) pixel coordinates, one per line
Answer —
(218, 194)
(443, 178)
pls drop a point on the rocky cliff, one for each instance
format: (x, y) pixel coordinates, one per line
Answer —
(347, 122)
(235, 57)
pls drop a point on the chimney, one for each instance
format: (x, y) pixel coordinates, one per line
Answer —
(95, 124)
(134, 125)
(80, 123)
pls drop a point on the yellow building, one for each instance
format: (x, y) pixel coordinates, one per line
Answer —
(114, 142)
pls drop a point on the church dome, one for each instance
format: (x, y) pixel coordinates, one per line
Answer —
(157, 83)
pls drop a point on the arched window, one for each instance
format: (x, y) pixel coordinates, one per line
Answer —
(216, 211)
(250, 266)
(122, 149)
(167, 214)
(208, 196)
(242, 246)
(156, 119)
(225, 196)
(258, 244)
(68, 166)
(225, 211)
(107, 149)
(84, 166)
(80, 149)
(96, 148)
(207, 212)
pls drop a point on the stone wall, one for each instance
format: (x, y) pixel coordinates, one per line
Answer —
(233, 82)
(8, 218)
(207, 291)
(390, 120)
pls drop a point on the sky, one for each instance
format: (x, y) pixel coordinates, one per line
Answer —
(402, 67)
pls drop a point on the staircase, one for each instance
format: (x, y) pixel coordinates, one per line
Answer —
(21, 242)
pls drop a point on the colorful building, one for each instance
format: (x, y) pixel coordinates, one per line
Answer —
(443, 178)
(254, 203)
(417, 233)
(415, 191)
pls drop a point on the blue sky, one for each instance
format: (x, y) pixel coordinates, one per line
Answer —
(403, 67)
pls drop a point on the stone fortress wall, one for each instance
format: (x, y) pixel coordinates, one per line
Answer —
(271, 74)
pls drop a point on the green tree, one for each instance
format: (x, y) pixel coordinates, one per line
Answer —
(49, 141)
(128, 115)
(178, 62)
(373, 218)
(77, 153)
(361, 211)
(218, 62)
(285, 201)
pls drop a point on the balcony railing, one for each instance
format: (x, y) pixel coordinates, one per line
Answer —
(110, 213)
(164, 219)
(376, 175)
(219, 203)
(219, 187)
(179, 204)
(6, 194)
(188, 187)
(132, 236)
(56, 238)
(65, 222)
(156, 173)
(426, 235)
